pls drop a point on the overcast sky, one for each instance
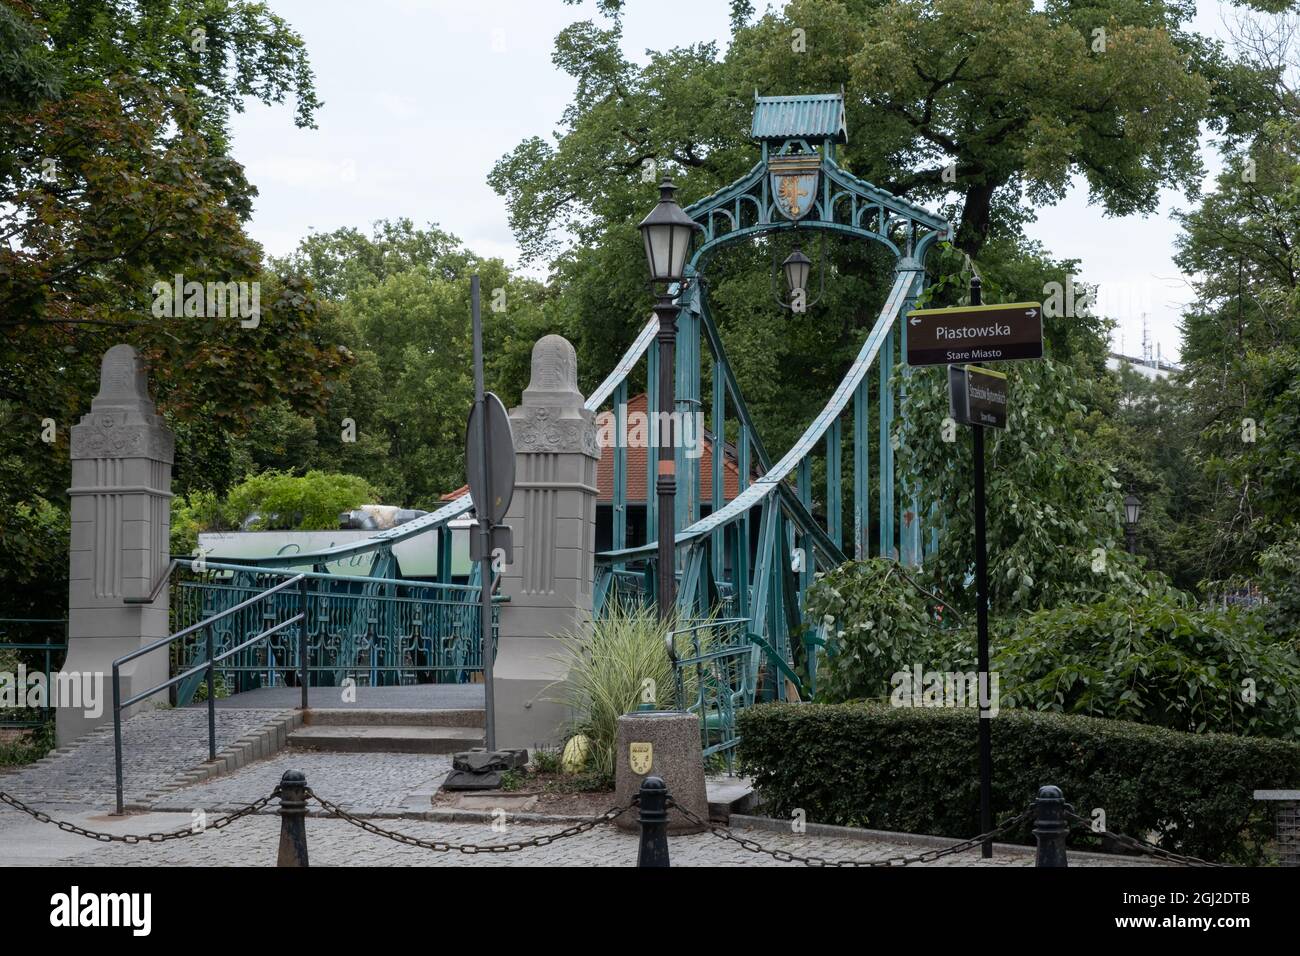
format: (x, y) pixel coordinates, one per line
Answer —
(423, 96)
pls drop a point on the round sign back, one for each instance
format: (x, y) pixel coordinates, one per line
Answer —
(491, 503)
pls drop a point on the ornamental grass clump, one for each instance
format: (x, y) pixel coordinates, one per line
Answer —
(615, 665)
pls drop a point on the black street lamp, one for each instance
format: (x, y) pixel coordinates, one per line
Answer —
(667, 235)
(1132, 511)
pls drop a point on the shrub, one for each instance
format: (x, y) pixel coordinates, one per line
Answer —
(1150, 659)
(310, 502)
(916, 770)
(1154, 662)
(876, 623)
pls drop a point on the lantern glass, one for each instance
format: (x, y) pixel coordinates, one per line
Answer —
(666, 233)
(1132, 509)
(797, 266)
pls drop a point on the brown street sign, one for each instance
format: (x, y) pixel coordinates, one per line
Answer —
(977, 396)
(975, 333)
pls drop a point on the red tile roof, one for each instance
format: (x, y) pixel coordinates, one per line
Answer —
(636, 463)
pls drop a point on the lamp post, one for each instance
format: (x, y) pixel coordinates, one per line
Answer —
(1132, 511)
(667, 235)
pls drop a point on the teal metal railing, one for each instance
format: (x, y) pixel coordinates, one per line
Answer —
(715, 663)
(374, 631)
(20, 647)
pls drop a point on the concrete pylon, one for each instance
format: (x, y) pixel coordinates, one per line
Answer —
(121, 521)
(553, 522)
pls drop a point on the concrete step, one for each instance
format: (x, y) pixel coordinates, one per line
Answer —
(391, 739)
(392, 717)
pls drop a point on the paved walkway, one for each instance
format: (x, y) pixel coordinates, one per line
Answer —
(393, 789)
(253, 841)
(156, 747)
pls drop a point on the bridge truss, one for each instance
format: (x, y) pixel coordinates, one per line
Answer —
(740, 556)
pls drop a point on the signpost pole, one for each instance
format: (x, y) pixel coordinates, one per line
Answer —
(484, 529)
(982, 623)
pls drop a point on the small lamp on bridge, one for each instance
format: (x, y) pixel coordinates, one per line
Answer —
(797, 266)
(797, 269)
(1132, 511)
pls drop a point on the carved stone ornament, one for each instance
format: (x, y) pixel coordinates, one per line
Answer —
(552, 417)
(123, 422)
(548, 429)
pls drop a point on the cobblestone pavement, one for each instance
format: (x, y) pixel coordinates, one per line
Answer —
(77, 784)
(365, 784)
(253, 842)
(156, 746)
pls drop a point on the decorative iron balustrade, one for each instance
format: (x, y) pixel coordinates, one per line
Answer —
(376, 631)
(716, 667)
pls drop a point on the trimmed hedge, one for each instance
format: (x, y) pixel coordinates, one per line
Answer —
(915, 770)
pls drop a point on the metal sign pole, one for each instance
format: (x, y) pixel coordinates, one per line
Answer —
(982, 623)
(484, 529)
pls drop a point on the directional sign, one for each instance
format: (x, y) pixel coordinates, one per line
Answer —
(490, 503)
(977, 396)
(975, 333)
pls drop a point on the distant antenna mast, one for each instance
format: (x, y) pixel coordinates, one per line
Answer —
(1146, 341)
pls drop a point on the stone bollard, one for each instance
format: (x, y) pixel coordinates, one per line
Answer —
(293, 819)
(1050, 827)
(653, 818)
(667, 745)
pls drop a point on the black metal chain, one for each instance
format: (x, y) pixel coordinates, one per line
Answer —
(929, 856)
(1141, 846)
(440, 846)
(161, 836)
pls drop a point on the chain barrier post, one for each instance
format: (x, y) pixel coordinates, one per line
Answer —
(1050, 827)
(293, 819)
(654, 823)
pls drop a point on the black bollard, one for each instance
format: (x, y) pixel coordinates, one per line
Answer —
(293, 819)
(654, 823)
(1050, 827)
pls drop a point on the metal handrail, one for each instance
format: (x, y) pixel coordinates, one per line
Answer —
(209, 666)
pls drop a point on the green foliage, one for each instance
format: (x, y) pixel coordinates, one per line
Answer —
(115, 172)
(27, 747)
(1154, 662)
(1242, 366)
(547, 759)
(33, 555)
(303, 503)
(916, 771)
(607, 672)
(402, 297)
(1154, 659)
(876, 622)
(1055, 519)
(1279, 566)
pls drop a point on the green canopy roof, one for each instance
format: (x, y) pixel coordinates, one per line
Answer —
(811, 116)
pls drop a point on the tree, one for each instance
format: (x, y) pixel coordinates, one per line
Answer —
(1240, 336)
(1013, 98)
(402, 293)
(115, 175)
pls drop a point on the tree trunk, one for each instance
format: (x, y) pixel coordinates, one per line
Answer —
(976, 218)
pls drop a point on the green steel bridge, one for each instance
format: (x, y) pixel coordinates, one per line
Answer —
(746, 563)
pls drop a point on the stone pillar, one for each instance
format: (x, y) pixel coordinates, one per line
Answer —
(121, 521)
(553, 522)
